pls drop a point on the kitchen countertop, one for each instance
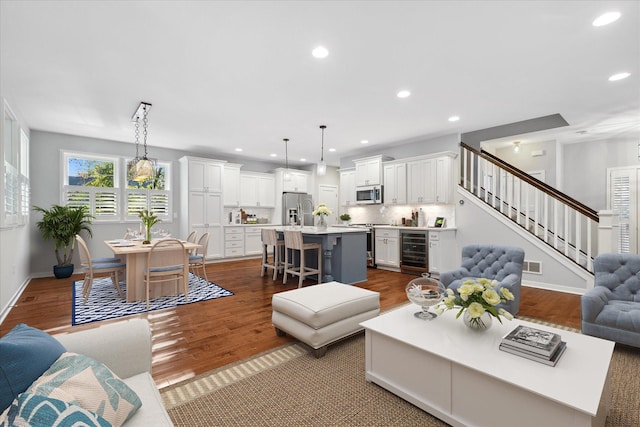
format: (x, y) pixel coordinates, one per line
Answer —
(251, 225)
(404, 227)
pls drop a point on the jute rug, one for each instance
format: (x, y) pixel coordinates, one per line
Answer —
(290, 387)
(104, 302)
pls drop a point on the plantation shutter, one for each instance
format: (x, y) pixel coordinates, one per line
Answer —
(623, 200)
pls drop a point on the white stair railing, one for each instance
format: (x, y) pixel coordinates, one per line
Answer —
(563, 223)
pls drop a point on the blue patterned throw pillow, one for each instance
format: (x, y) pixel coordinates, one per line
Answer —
(40, 411)
(25, 353)
(83, 381)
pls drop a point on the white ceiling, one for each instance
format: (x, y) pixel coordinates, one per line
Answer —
(222, 75)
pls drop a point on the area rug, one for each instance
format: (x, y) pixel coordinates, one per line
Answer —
(105, 303)
(289, 387)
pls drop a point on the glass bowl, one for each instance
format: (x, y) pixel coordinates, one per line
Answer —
(426, 292)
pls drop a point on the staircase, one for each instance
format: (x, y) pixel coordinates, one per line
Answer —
(562, 223)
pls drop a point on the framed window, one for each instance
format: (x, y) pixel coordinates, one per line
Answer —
(153, 194)
(92, 181)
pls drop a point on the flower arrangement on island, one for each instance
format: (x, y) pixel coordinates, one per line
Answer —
(477, 297)
(149, 219)
(322, 210)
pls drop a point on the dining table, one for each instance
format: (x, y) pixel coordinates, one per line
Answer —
(134, 254)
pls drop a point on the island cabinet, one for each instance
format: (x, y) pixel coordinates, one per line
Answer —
(231, 185)
(257, 190)
(201, 207)
(347, 188)
(430, 179)
(387, 248)
(253, 241)
(369, 170)
(395, 184)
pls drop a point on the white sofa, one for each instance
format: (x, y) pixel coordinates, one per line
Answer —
(125, 348)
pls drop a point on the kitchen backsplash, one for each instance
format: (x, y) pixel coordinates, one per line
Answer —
(258, 212)
(377, 214)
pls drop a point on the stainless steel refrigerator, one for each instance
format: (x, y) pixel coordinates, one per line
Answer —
(297, 208)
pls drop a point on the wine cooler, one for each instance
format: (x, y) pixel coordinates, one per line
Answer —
(414, 252)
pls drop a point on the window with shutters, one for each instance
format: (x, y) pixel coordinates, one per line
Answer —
(92, 181)
(95, 181)
(623, 197)
(153, 194)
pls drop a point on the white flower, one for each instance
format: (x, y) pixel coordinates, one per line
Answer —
(505, 313)
(475, 310)
(506, 293)
(491, 296)
(322, 209)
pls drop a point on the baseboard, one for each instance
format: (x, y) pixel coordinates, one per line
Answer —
(13, 301)
(555, 287)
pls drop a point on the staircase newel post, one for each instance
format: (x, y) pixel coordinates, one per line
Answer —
(608, 232)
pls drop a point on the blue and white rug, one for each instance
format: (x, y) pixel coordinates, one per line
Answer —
(105, 303)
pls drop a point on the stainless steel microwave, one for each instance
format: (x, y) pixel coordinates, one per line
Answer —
(369, 195)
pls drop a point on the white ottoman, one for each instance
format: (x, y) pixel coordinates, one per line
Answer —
(321, 314)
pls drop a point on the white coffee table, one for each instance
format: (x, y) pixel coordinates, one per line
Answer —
(461, 377)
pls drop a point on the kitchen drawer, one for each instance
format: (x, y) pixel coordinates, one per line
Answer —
(234, 237)
(234, 244)
(434, 236)
(231, 252)
(385, 232)
(253, 230)
(233, 230)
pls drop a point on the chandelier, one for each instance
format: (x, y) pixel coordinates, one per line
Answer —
(322, 166)
(141, 169)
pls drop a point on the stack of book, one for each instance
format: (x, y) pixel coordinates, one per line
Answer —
(535, 344)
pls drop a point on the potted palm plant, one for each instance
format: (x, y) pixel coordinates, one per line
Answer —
(61, 224)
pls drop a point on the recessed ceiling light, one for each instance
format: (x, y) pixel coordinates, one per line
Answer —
(454, 118)
(320, 52)
(332, 150)
(619, 76)
(606, 19)
(364, 141)
(303, 159)
(273, 155)
(404, 94)
(238, 149)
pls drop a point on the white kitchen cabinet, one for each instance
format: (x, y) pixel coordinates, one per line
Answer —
(369, 171)
(444, 179)
(430, 180)
(205, 175)
(395, 184)
(297, 181)
(257, 190)
(348, 188)
(442, 251)
(233, 242)
(387, 243)
(252, 241)
(421, 181)
(201, 206)
(231, 185)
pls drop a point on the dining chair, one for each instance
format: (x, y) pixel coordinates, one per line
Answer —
(293, 242)
(197, 260)
(191, 238)
(270, 238)
(166, 262)
(103, 260)
(92, 269)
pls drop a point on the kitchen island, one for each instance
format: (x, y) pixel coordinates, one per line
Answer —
(344, 251)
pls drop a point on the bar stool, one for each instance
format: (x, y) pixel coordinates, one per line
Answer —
(293, 241)
(270, 238)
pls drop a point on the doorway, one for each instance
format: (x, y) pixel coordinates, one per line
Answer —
(328, 194)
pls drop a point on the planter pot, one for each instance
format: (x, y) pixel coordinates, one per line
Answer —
(62, 271)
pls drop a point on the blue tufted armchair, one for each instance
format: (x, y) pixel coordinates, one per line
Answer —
(495, 262)
(611, 310)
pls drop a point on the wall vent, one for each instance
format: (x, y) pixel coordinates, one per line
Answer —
(534, 267)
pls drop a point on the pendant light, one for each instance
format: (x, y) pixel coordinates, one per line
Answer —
(287, 175)
(142, 169)
(322, 166)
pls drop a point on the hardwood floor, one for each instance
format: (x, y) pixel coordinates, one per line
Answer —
(192, 339)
